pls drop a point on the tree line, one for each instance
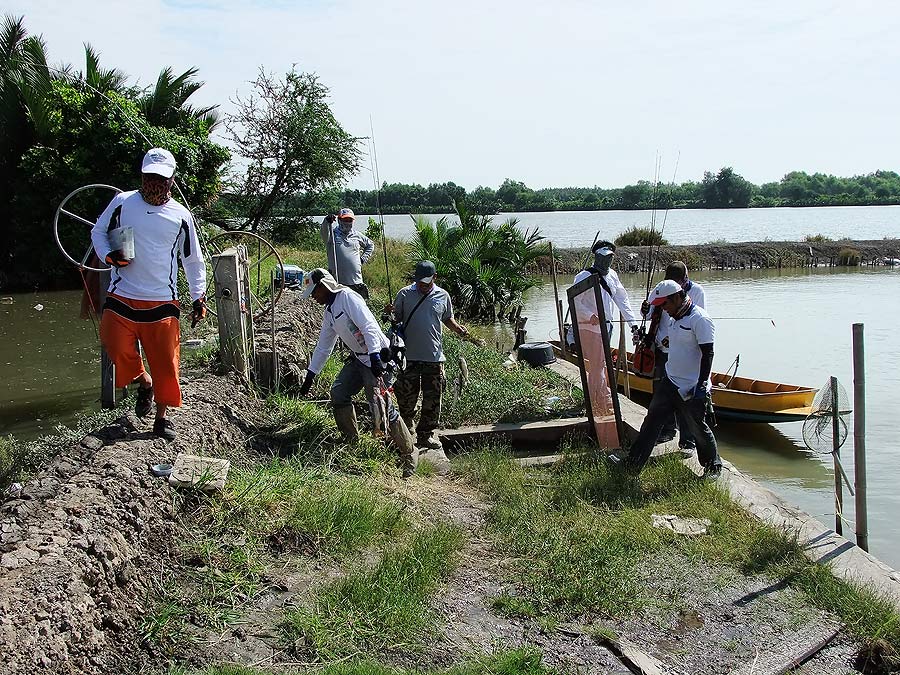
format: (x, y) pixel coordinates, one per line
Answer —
(722, 189)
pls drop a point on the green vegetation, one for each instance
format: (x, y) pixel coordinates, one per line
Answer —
(375, 608)
(849, 256)
(513, 662)
(496, 394)
(641, 236)
(583, 535)
(716, 189)
(264, 512)
(481, 265)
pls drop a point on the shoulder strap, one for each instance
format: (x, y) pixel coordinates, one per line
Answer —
(421, 300)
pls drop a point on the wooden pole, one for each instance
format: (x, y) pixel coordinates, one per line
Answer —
(107, 367)
(230, 307)
(558, 304)
(859, 436)
(836, 449)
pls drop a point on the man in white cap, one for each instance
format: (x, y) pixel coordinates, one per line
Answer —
(677, 272)
(422, 309)
(348, 317)
(348, 250)
(142, 235)
(686, 386)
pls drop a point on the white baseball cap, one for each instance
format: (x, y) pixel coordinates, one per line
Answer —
(159, 161)
(663, 290)
(318, 276)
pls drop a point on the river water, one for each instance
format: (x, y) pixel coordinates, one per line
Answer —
(49, 371)
(571, 229)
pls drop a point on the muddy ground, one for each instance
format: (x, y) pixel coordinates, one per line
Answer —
(86, 544)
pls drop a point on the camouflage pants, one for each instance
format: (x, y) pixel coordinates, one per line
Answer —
(429, 379)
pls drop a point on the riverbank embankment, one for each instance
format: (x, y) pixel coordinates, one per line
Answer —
(317, 554)
(740, 255)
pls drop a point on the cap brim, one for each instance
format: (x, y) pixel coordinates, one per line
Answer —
(426, 280)
(160, 169)
(604, 251)
(658, 301)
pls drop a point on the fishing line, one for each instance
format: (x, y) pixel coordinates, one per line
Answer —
(374, 157)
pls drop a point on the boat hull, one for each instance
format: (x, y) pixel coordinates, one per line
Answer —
(737, 399)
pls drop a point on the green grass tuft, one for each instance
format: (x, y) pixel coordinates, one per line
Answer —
(382, 607)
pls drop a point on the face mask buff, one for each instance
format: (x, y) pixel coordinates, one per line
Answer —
(602, 263)
(345, 226)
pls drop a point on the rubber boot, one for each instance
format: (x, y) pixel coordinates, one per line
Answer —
(409, 456)
(345, 416)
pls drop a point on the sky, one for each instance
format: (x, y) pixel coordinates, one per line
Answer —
(555, 94)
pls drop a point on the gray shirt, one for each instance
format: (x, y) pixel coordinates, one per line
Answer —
(353, 251)
(423, 333)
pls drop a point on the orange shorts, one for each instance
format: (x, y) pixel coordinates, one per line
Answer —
(154, 324)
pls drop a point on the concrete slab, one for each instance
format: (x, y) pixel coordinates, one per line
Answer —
(206, 473)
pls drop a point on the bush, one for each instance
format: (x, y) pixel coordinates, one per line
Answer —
(816, 238)
(300, 232)
(641, 236)
(849, 256)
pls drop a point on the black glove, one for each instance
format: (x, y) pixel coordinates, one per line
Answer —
(307, 382)
(330, 218)
(700, 393)
(116, 259)
(199, 311)
(645, 308)
(377, 366)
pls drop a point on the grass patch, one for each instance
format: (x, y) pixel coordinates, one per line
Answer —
(583, 533)
(382, 607)
(817, 238)
(203, 358)
(495, 394)
(278, 508)
(513, 606)
(513, 662)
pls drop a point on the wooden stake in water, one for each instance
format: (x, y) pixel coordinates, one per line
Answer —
(859, 436)
(836, 450)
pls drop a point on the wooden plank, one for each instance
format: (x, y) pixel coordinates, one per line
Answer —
(788, 654)
(529, 433)
(637, 661)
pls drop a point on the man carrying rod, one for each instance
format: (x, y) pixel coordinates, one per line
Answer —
(685, 387)
(152, 232)
(348, 250)
(347, 317)
(422, 309)
(613, 292)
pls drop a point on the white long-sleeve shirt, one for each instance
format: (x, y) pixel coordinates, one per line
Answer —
(697, 296)
(585, 304)
(349, 319)
(162, 235)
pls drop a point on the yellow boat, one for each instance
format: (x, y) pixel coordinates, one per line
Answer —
(739, 399)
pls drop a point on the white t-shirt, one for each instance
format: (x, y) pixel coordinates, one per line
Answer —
(162, 235)
(585, 304)
(685, 337)
(697, 296)
(349, 319)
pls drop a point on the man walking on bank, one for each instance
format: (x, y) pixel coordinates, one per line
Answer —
(152, 232)
(347, 249)
(348, 317)
(685, 387)
(423, 309)
(677, 272)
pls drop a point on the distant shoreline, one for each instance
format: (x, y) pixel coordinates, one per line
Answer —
(740, 255)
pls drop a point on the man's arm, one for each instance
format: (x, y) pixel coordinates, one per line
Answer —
(326, 229)
(706, 359)
(192, 260)
(457, 328)
(324, 347)
(368, 248)
(620, 297)
(100, 231)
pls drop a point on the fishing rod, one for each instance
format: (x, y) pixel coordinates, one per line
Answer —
(374, 157)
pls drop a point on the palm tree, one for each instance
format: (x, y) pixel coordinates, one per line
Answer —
(100, 79)
(166, 105)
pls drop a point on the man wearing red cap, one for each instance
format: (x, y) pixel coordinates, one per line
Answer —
(685, 387)
(142, 235)
(347, 249)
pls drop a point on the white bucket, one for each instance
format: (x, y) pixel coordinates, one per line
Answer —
(122, 239)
